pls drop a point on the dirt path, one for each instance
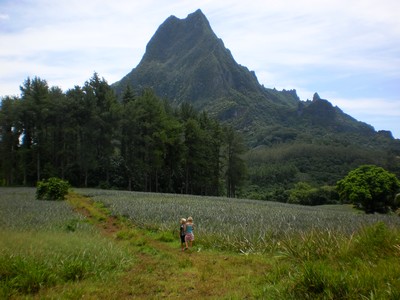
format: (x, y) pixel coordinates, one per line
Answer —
(162, 270)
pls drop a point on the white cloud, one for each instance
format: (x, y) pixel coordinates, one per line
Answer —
(4, 17)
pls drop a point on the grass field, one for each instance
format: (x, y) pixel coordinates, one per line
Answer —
(112, 244)
(46, 243)
(235, 224)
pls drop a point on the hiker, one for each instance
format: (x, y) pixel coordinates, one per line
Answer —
(182, 233)
(189, 236)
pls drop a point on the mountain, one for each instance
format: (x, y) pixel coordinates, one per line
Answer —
(186, 62)
(289, 140)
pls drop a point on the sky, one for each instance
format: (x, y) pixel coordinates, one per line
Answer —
(346, 51)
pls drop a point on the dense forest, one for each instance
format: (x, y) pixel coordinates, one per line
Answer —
(90, 138)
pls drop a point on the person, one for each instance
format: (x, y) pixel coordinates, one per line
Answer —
(189, 235)
(182, 233)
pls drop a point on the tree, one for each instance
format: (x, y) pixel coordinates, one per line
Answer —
(145, 134)
(211, 153)
(10, 132)
(235, 166)
(370, 187)
(194, 159)
(128, 95)
(99, 129)
(35, 111)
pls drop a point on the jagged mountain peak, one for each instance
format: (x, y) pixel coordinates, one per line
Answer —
(178, 36)
(185, 61)
(197, 17)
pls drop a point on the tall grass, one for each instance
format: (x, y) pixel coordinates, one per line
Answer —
(328, 266)
(31, 260)
(44, 243)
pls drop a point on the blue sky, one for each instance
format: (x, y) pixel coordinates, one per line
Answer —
(347, 51)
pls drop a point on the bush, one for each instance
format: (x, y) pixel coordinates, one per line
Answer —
(52, 189)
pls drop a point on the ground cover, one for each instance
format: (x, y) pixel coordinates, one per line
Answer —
(144, 259)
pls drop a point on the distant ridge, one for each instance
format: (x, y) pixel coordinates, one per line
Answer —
(186, 62)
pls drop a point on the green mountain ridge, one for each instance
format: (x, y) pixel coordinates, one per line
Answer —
(289, 139)
(186, 62)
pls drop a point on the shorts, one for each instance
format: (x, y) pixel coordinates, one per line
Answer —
(182, 238)
(189, 237)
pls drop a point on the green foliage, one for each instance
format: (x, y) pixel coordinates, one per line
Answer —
(371, 187)
(166, 236)
(374, 242)
(24, 274)
(319, 163)
(303, 193)
(89, 138)
(300, 193)
(39, 249)
(52, 189)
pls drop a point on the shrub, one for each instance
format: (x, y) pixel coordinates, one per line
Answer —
(52, 189)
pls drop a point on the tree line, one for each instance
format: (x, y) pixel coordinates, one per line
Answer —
(91, 138)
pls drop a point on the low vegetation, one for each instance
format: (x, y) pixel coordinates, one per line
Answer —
(45, 244)
(124, 244)
(52, 189)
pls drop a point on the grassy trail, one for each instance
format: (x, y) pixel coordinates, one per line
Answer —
(162, 270)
